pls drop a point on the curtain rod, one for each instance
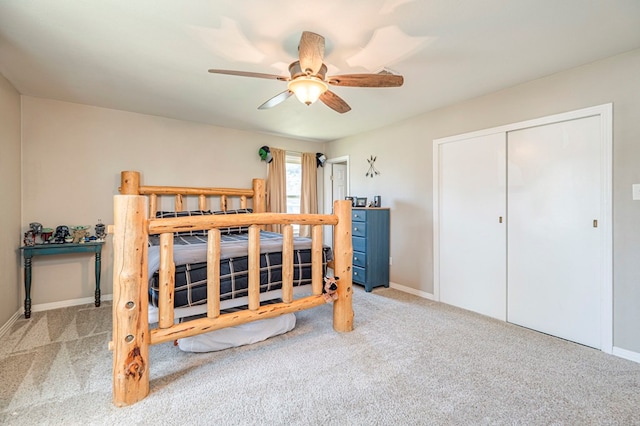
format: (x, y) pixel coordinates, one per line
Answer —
(296, 152)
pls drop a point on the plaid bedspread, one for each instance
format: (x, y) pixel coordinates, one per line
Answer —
(190, 254)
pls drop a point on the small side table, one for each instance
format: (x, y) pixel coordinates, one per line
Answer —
(51, 249)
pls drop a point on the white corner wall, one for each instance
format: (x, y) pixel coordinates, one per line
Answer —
(10, 236)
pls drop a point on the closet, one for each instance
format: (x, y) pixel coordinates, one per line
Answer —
(522, 224)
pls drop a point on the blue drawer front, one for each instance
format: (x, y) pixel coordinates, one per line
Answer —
(359, 259)
(358, 215)
(359, 244)
(359, 275)
(359, 229)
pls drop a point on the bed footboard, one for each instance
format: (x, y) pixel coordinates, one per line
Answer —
(132, 226)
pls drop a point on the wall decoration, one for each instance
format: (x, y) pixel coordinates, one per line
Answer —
(372, 168)
(320, 159)
(265, 154)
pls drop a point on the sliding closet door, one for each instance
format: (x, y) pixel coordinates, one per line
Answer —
(554, 250)
(471, 224)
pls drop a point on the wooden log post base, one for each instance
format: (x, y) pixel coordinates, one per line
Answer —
(130, 304)
(343, 255)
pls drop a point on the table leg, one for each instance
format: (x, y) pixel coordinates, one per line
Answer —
(27, 287)
(98, 268)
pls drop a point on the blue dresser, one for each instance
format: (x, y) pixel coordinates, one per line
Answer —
(370, 233)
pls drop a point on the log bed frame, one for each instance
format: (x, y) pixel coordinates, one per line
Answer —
(131, 228)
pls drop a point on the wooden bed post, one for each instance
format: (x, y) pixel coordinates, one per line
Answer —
(129, 183)
(259, 196)
(130, 304)
(343, 259)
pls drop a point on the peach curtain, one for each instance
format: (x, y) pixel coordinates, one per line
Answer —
(309, 190)
(277, 185)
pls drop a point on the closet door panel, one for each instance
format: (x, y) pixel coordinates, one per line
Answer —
(554, 260)
(472, 238)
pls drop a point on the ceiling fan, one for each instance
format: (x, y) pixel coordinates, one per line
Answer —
(308, 80)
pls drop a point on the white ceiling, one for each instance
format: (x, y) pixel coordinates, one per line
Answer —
(152, 56)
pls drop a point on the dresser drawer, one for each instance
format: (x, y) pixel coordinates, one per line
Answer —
(358, 215)
(359, 229)
(359, 244)
(359, 275)
(359, 259)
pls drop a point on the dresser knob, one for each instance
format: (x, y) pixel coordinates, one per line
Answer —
(355, 229)
(355, 258)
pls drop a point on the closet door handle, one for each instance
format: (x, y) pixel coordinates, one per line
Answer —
(595, 223)
(500, 219)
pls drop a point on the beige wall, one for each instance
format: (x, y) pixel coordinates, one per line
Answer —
(404, 154)
(73, 155)
(10, 236)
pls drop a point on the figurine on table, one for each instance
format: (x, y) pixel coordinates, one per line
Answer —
(62, 233)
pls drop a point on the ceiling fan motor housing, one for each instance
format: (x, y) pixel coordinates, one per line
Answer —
(296, 71)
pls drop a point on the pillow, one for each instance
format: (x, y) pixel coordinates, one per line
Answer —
(235, 229)
(162, 215)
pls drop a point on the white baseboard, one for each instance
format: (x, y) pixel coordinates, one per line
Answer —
(10, 322)
(623, 353)
(66, 303)
(413, 291)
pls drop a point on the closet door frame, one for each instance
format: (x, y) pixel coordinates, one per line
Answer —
(605, 112)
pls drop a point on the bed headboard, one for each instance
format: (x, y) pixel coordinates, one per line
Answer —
(130, 185)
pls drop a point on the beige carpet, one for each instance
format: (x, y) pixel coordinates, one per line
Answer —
(408, 361)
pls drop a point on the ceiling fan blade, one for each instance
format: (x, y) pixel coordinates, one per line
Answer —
(335, 102)
(311, 52)
(249, 74)
(276, 100)
(366, 80)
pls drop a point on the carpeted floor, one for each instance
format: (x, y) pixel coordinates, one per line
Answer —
(408, 361)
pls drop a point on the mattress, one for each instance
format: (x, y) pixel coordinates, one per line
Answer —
(190, 253)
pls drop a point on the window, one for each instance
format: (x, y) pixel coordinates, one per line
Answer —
(294, 185)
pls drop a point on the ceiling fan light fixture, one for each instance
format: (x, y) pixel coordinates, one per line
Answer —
(308, 89)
